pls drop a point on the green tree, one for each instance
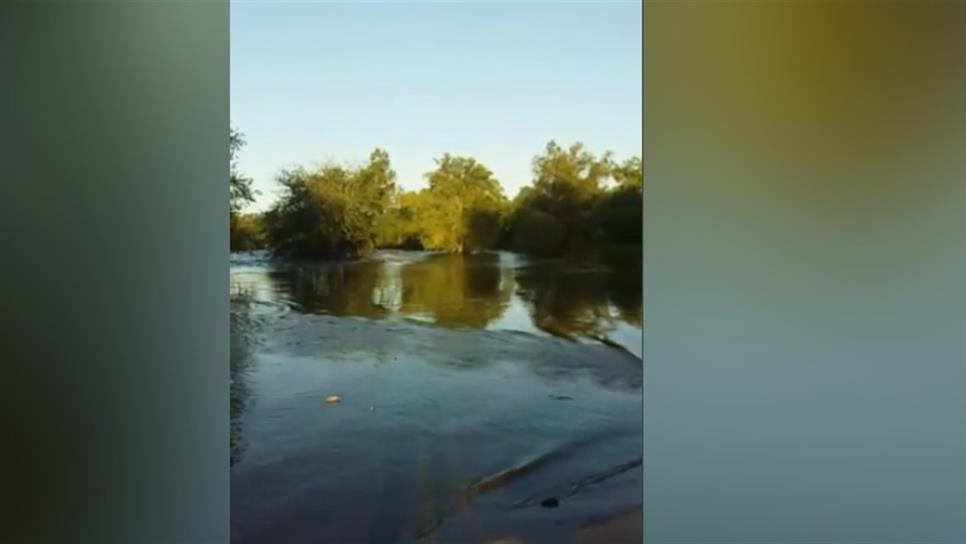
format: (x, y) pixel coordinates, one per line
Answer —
(462, 209)
(399, 226)
(620, 210)
(331, 211)
(566, 185)
(630, 173)
(239, 191)
(568, 177)
(247, 232)
(239, 186)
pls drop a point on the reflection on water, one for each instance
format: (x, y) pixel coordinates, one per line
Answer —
(597, 300)
(473, 388)
(455, 291)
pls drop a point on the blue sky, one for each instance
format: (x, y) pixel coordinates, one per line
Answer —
(317, 81)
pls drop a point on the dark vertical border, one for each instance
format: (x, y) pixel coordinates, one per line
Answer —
(114, 242)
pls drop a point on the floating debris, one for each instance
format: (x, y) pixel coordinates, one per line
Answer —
(332, 399)
(560, 397)
(550, 503)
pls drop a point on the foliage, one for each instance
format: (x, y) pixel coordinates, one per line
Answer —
(240, 192)
(461, 211)
(569, 208)
(247, 232)
(577, 203)
(239, 187)
(567, 179)
(630, 173)
(400, 226)
(537, 232)
(620, 209)
(330, 211)
(566, 184)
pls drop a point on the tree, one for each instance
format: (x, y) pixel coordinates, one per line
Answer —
(630, 173)
(239, 192)
(247, 232)
(566, 186)
(620, 210)
(569, 208)
(239, 187)
(400, 226)
(331, 211)
(567, 180)
(462, 209)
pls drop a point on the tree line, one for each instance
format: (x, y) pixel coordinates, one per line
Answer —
(576, 202)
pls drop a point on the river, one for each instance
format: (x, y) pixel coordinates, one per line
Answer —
(490, 398)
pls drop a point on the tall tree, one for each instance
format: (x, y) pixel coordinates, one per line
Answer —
(462, 208)
(239, 193)
(567, 180)
(239, 186)
(620, 210)
(556, 212)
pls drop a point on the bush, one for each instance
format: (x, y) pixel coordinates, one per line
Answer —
(330, 212)
(246, 233)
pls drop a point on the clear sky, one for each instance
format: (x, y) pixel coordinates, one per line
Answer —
(314, 81)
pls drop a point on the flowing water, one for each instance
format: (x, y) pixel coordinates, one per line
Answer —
(486, 398)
